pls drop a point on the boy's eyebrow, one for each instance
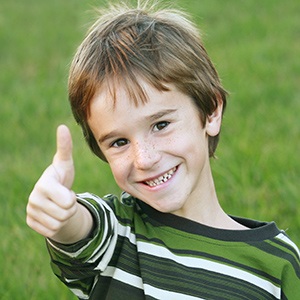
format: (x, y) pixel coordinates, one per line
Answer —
(160, 114)
(151, 118)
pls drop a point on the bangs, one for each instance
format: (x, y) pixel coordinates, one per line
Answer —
(133, 85)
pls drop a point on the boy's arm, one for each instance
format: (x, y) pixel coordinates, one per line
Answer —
(52, 209)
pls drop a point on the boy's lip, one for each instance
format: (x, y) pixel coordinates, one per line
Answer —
(161, 178)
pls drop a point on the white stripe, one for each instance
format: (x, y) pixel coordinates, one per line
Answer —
(163, 294)
(137, 282)
(109, 248)
(211, 266)
(284, 238)
(125, 231)
(79, 293)
(123, 276)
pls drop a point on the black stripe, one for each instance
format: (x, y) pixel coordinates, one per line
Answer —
(111, 289)
(125, 257)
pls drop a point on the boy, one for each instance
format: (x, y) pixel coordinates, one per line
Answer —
(150, 103)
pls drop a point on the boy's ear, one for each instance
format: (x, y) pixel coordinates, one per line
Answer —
(213, 121)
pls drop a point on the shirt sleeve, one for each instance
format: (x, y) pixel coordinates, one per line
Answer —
(79, 265)
(290, 280)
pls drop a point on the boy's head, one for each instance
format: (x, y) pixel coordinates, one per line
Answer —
(158, 46)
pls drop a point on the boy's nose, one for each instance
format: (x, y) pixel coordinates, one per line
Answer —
(145, 155)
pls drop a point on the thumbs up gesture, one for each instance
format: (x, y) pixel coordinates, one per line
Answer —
(52, 209)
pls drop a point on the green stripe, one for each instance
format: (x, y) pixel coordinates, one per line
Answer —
(279, 256)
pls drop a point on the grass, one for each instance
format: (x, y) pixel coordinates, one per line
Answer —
(255, 47)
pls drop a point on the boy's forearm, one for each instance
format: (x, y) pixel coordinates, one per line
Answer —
(77, 228)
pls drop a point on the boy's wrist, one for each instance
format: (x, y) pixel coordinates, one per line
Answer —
(78, 227)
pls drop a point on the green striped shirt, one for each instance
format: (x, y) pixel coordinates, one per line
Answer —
(136, 252)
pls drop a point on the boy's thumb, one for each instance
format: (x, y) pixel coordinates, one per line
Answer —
(63, 159)
(64, 145)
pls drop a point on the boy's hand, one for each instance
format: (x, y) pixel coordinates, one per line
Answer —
(52, 208)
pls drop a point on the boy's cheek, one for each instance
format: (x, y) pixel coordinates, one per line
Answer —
(119, 172)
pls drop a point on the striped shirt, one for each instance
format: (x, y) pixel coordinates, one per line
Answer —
(136, 252)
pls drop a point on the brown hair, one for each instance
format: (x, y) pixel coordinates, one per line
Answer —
(159, 46)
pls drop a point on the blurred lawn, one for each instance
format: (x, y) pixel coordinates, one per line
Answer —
(255, 46)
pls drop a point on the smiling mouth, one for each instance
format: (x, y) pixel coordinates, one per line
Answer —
(161, 179)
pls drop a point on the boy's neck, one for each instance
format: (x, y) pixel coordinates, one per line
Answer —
(211, 214)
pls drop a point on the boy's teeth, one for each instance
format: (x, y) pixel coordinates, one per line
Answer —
(161, 179)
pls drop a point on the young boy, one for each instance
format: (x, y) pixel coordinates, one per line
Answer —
(150, 103)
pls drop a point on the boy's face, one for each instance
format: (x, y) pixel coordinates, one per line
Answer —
(157, 151)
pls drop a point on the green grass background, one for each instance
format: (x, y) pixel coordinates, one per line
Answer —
(255, 46)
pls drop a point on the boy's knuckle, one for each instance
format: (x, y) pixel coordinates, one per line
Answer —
(63, 216)
(33, 201)
(54, 227)
(29, 222)
(68, 202)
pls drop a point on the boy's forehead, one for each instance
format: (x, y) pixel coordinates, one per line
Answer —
(111, 95)
(115, 92)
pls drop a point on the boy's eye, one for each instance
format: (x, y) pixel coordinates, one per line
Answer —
(119, 143)
(161, 125)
